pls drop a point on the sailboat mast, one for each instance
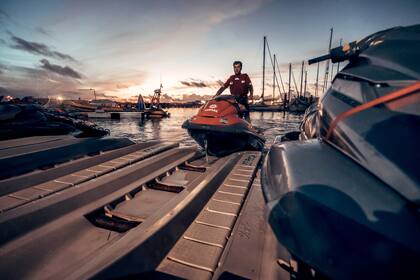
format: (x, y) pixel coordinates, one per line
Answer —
(274, 78)
(281, 80)
(285, 93)
(263, 85)
(328, 63)
(290, 80)
(338, 64)
(317, 78)
(304, 89)
(94, 92)
(301, 79)
(332, 72)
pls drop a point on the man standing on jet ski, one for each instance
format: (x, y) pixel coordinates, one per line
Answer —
(239, 85)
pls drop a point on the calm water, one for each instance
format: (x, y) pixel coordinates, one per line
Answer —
(272, 123)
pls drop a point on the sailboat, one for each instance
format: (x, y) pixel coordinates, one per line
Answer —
(261, 105)
(141, 107)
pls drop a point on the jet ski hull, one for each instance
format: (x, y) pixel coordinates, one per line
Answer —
(220, 130)
(223, 140)
(336, 216)
(347, 203)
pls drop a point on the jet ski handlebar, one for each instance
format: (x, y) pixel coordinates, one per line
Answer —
(338, 54)
(319, 59)
(223, 97)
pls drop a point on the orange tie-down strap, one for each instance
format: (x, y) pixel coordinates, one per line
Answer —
(383, 99)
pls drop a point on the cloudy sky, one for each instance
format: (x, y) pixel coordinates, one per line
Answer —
(123, 48)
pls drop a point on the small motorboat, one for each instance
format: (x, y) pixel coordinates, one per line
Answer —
(155, 111)
(141, 106)
(300, 104)
(344, 197)
(220, 130)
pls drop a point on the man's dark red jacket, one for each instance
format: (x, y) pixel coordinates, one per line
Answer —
(238, 84)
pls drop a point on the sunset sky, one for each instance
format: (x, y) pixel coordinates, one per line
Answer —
(123, 48)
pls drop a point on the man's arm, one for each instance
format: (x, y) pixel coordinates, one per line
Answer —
(250, 88)
(251, 93)
(222, 88)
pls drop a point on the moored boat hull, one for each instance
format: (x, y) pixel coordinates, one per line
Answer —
(157, 114)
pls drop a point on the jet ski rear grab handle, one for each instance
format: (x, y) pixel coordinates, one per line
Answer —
(415, 88)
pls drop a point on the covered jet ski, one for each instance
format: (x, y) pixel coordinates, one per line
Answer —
(26, 120)
(346, 203)
(220, 130)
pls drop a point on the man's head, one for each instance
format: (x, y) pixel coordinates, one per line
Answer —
(237, 67)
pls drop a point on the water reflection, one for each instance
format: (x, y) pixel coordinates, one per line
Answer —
(272, 124)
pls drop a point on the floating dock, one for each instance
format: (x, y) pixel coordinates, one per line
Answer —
(111, 208)
(114, 115)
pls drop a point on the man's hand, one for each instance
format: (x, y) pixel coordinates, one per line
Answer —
(251, 93)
